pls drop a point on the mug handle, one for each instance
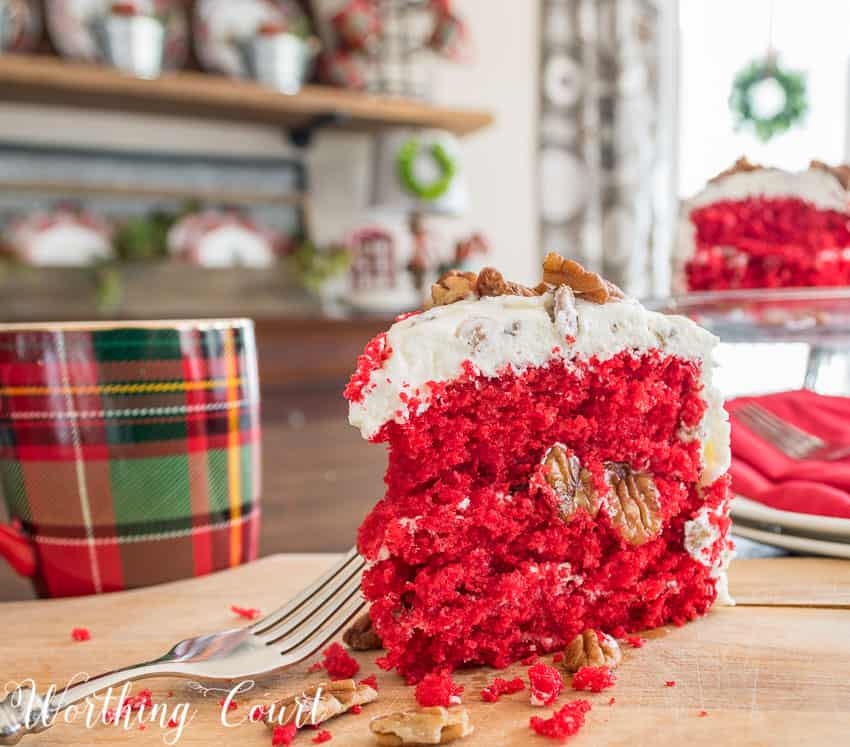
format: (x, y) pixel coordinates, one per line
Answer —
(18, 551)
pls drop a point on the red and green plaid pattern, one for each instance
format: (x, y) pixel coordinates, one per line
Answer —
(131, 455)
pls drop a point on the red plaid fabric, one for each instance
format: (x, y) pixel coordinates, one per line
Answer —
(130, 455)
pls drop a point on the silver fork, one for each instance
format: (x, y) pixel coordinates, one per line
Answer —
(790, 440)
(292, 634)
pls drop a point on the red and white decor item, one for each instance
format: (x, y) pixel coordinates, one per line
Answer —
(380, 45)
(379, 281)
(222, 238)
(61, 237)
(20, 25)
(223, 29)
(73, 26)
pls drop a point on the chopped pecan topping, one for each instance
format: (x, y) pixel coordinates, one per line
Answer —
(557, 271)
(436, 725)
(492, 283)
(361, 635)
(320, 703)
(633, 503)
(592, 649)
(571, 482)
(741, 166)
(453, 286)
(840, 172)
(585, 284)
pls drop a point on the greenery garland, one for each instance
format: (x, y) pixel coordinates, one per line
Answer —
(431, 191)
(793, 85)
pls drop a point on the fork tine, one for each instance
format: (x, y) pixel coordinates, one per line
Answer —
(794, 439)
(320, 604)
(783, 436)
(275, 618)
(317, 621)
(789, 428)
(323, 632)
(765, 429)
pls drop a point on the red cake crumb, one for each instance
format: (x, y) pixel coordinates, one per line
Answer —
(172, 723)
(612, 701)
(451, 588)
(373, 357)
(564, 723)
(594, 679)
(81, 634)
(283, 735)
(530, 659)
(670, 683)
(438, 689)
(500, 687)
(143, 699)
(258, 713)
(371, 681)
(231, 706)
(315, 667)
(356, 708)
(558, 658)
(763, 242)
(249, 613)
(322, 736)
(702, 713)
(546, 684)
(142, 727)
(635, 641)
(340, 665)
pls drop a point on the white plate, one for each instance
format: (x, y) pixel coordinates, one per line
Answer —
(796, 544)
(797, 523)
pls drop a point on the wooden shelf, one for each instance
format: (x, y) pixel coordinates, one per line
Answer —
(55, 81)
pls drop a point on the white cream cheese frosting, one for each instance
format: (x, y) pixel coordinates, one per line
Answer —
(515, 332)
(816, 186)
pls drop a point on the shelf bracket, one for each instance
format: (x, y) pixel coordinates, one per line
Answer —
(302, 136)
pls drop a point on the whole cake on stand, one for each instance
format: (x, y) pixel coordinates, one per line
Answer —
(757, 227)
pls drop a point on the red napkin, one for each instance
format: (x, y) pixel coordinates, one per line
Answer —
(764, 474)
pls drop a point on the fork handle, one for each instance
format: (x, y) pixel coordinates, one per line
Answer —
(24, 711)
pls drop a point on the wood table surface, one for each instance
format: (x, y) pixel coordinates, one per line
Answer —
(771, 671)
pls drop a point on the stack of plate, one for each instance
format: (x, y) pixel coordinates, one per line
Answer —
(801, 533)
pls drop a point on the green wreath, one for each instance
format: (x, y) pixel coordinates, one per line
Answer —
(407, 155)
(742, 104)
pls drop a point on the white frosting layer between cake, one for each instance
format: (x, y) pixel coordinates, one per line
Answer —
(519, 333)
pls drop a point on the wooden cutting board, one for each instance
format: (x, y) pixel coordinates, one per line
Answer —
(775, 670)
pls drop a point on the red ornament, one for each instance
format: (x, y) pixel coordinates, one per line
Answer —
(343, 69)
(358, 26)
(450, 36)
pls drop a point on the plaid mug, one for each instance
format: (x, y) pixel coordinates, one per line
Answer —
(129, 451)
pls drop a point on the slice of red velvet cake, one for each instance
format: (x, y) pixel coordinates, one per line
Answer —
(755, 227)
(557, 462)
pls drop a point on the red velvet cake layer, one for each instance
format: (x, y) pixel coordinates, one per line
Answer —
(768, 243)
(472, 559)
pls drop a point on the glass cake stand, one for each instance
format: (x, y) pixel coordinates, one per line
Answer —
(818, 317)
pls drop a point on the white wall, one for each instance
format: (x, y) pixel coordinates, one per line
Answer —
(499, 161)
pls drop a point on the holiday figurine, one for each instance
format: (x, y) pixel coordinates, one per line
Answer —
(358, 26)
